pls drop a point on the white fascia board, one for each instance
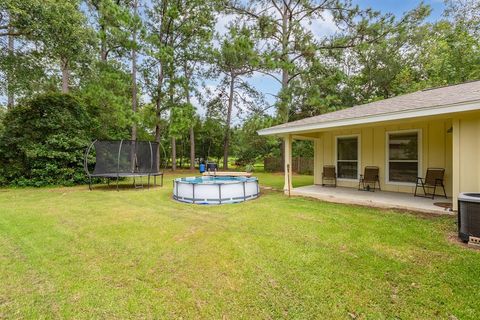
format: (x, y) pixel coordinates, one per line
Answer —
(399, 115)
(297, 137)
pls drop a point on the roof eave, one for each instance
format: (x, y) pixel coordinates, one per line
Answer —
(400, 115)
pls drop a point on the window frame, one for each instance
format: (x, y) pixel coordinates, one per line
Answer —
(387, 156)
(358, 156)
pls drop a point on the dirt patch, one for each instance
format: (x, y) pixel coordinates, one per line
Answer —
(452, 237)
(190, 232)
(303, 217)
(445, 205)
(268, 190)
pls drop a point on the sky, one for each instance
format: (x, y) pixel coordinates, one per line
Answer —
(398, 7)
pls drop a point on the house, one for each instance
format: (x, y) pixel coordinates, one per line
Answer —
(403, 136)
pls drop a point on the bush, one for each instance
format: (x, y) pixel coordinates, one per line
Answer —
(43, 142)
(249, 168)
(249, 146)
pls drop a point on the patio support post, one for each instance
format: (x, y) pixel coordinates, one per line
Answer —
(455, 163)
(288, 163)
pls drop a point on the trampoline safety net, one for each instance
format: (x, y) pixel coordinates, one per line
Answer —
(123, 158)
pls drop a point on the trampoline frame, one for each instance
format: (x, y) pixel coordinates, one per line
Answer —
(117, 175)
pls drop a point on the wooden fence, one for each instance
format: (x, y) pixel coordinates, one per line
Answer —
(299, 165)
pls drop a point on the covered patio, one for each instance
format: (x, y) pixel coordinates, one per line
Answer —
(401, 138)
(377, 199)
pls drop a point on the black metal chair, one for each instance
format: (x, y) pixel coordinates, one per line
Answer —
(433, 179)
(369, 176)
(329, 174)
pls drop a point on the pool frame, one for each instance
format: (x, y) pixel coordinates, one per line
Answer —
(219, 199)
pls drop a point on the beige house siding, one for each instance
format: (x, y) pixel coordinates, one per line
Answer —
(450, 141)
(436, 150)
(466, 153)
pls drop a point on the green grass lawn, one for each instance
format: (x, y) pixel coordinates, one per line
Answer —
(71, 253)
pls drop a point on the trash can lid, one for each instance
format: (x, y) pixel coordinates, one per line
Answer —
(469, 196)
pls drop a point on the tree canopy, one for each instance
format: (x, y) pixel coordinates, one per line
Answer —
(185, 73)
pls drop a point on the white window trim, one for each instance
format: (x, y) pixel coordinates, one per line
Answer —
(358, 155)
(387, 157)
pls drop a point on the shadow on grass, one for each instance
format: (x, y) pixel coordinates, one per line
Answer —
(125, 186)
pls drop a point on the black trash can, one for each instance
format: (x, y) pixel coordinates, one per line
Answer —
(468, 215)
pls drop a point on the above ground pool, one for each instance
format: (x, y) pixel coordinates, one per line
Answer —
(215, 190)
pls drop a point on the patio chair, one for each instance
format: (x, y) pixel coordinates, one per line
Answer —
(329, 174)
(432, 180)
(369, 176)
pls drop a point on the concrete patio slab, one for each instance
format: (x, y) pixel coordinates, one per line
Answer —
(378, 199)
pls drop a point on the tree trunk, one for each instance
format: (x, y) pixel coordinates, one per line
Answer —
(174, 154)
(283, 111)
(102, 34)
(65, 75)
(134, 74)
(182, 153)
(226, 142)
(192, 148)
(158, 104)
(11, 48)
(192, 134)
(158, 113)
(180, 157)
(103, 43)
(171, 100)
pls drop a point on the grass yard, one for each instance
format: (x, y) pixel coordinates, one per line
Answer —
(71, 253)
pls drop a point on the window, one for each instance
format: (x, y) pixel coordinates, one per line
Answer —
(403, 151)
(347, 157)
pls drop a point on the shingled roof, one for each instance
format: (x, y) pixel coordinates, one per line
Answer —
(434, 100)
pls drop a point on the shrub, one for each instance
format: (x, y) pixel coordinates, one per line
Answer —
(249, 168)
(43, 141)
(249, 145)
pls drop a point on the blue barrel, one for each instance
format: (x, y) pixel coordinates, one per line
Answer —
(202, 167)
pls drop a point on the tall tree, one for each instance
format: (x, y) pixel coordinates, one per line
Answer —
(22, 62)
(112, 20)
(192, 51)
(289, 42)
(174, 28)
(107, 89)
(66, 38)
(210, 134)
(391, 65)
(180, 119)
(236, 58)
(415, 55)
(191, 131)
(11, 52)
(290, 46)
(464, 12)
(160, 29)
(451, 55)
(134, 67)
(108, 83)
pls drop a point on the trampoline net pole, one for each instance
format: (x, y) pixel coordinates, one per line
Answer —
(118, 161)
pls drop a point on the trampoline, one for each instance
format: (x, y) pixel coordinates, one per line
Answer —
(117, 159)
